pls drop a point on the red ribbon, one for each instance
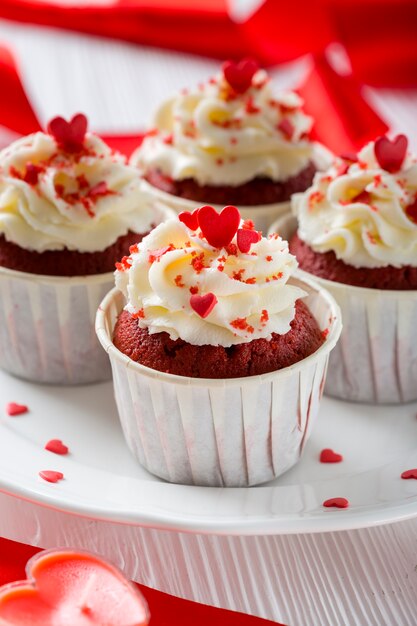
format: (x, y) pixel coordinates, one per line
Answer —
(380, 36)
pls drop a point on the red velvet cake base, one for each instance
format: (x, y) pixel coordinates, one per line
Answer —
(327, 265)
(259, 356)
(65, 262)
(261, 190)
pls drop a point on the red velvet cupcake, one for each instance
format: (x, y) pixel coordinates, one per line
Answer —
(231, 140)
(218, 345)
(69, 208)
(357, 232)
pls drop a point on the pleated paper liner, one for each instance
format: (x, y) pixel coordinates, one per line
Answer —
(47, 327)
(375, 360)
(213, 432)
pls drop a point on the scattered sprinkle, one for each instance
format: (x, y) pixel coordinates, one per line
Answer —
(411, 473)
(13, 408)
(339, 503)
(327, 455)
(51, 476)
(56, 446)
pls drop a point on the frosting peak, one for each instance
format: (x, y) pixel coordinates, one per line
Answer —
(230, 130)
(364, 207)
(68, 189)
(177, 281)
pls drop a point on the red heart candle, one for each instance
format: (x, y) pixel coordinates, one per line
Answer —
(71, 588)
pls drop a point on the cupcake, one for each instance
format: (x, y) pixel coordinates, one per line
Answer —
(218, 350)
(231, 140)
(69, 208)
(357, 233)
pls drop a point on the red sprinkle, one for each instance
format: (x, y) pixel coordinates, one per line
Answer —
(138, 314)
(339, 503)
(239, 75)
(219, 228)
(391, 154)
(240, 323)
(12, 408)
(286, 127)
(189, 219)
(178, 281)
(411, 473)
(203, 305)
(56, 446)
(51, 476)
(32, 174)
(264, 316)
(157, 254)
(69, 135)
(245, 238)
(329, 456)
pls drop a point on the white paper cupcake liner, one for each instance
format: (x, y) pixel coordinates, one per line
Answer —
(263, 215)
(47, 327)
(376, 358)
(234, 432)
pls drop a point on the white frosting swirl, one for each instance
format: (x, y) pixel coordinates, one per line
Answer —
(217, 137)
(361, 214)
(51, 200)
(254, 298)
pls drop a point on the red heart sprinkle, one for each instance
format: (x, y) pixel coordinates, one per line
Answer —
(391, 154)
(51, 476)
(203, 305)
(286, 127)
(339, 503)
(245, 238)
(411, 473)
(239, 75)
(363, 196)
(329, 456)
(69, 135)
(12, 408)
(189, 219)
(219, 228)
(56, 446)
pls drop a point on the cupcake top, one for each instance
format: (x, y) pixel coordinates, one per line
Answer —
(230, 130)
(210, 278)
(67, 189)
(364, 208)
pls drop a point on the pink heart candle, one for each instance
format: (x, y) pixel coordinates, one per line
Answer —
(71, 588)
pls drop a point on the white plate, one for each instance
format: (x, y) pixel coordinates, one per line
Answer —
(103, 481)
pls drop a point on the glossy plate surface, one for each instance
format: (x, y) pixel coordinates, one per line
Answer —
(103, 481)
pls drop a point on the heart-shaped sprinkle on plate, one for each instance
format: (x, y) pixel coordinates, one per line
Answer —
(239, 75)
(329, 456)
(13, 408)
(245, 238)
(203, 305)
(69, 135)
(219, 228)
(56, 446)
(411, 473)
(338, 503)
(189, 219)
(51, 476)
(391, 154)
